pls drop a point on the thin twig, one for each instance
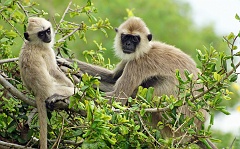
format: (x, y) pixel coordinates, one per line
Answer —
(57, 142)
(12, 26)
(31, 115)
(25, 11)
(13, 146)
(231, 146)
(184, 135)
(70, 34)
(150, 110)
(146, 129)
(64, 14)
(217, 83)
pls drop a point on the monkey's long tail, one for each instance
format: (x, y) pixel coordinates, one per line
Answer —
(42, 116)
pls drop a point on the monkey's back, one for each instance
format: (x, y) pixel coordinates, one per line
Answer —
(167, 60)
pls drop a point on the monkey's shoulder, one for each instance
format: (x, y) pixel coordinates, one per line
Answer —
(166, 51)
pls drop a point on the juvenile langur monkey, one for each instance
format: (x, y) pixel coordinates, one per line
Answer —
(39, 70)
(144, 63)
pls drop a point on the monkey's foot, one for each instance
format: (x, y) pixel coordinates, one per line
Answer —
(57, 101)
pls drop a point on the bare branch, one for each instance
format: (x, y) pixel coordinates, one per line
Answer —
(8, 60)
(6, 145)
(57, 142)
(64, 14)
(15, 92)
(150, 110)
(146, 129)
(231, 146)
(70, 34)
(31, 115)
(25, 11)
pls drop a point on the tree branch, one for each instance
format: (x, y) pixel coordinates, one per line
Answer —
(25, 11)
(146, 129)
(64, 14)
(150, 110)
(6, 145)
(15, 92)
(70, 34)
(217, 83)
(8, 60)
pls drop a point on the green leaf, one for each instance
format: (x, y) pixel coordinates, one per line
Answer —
(204, 141)
(11, 34)
(89, 111)
(237, 54)
(234, 47)
(4, 40)
(215, 140)
(142, 112)
(190, 122)
(211, 118)
(7, 2)
(230, 36)
(123, 129)
(178, 103)
(217, 76)
(191, 131)
(233, 77)
(223, 110)
(237, 17)
(150, 94)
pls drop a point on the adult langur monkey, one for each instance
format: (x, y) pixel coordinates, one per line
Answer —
(39, 70)
(147, 63)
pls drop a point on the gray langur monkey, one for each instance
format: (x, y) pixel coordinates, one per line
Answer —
(39, 70)
(144, 63)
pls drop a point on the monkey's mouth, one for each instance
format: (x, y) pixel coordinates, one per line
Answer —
(128, 51)
(47, 40)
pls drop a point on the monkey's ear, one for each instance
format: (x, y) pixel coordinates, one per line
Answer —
(149, 36)
(26, 36)
(116, 29)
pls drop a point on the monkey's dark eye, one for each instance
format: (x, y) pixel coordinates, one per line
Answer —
(123, 36)
(40, 34)
(136, 38)
(48, 31)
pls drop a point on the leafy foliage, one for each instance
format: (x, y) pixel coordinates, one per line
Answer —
(105, 125)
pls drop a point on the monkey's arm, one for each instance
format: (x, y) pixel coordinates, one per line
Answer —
(107, 80)
(130, 79)
(105, 74)
(60, 77)
(37, 78)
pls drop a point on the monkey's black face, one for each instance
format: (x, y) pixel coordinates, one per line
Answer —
(129, 42)
(45, 35)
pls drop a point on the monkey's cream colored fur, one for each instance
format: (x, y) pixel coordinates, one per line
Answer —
(40, 73)
(137, 27)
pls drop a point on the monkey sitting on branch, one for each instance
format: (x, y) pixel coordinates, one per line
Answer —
(145, 63)
(39, 70)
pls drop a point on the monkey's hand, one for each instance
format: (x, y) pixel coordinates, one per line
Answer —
(112, 96)
(57, 101)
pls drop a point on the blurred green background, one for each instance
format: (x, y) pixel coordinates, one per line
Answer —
(168, 20)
